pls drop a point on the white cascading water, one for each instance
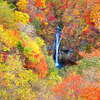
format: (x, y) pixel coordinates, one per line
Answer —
(58, 39)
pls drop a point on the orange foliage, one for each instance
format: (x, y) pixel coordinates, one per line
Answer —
(90, 93)
(75, 86)
(95, 15)
(86, 13)
(4, 83)
(2, 74)
(39, 67)
(41, 16)
(94, 53)
(89, 2)
(72, 82)
(38, 3)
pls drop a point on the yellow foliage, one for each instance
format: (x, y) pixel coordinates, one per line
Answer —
(95, 15)
(5, 48)
(24, 84)
(15, 80)
(46, 23)
(86, 28)
(4, 3)
(40, 41)
(9, 38)
(21, 17)
(47, 10)
(1, 58)
(1, 28)
(43, 31)
(76, 12)
(31, 49)
(6, 15)
(68, 18)
(22, 5)
(31, 43)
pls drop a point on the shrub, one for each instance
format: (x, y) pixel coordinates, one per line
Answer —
(6, 15)
(22, 5)
(75, 87)
(21, 17)
(8, 37)
(19, 83)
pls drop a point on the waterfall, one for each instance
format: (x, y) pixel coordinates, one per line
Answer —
(58, 39)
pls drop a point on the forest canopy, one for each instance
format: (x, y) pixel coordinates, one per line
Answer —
(28, 30)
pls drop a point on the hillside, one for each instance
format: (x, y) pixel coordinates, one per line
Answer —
(28, 42)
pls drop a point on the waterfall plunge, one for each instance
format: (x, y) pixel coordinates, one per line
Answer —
(58, 39)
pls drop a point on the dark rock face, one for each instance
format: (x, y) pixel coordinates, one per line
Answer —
(65, 54)
(65, 57)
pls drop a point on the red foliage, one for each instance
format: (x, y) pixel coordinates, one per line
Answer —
(36, 56)
(71, 82)
(31, 20)
(85, 14)
(5, 56)
(63, 6)
(38, 3)
(38, 67)
(84, 33)
(6, 26)
(24, 45)
(76, 63)
(90, 93)
(52, 3)
(51, 18)
(88, 20)
(16, 33)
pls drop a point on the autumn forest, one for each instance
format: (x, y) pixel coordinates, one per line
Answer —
(49, 50)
